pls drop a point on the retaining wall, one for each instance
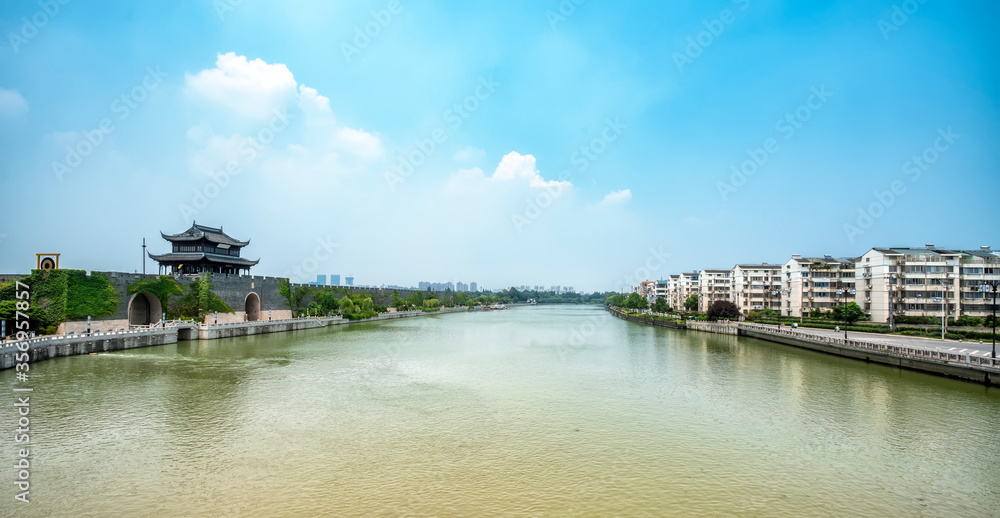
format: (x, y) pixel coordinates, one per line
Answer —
(46, 348)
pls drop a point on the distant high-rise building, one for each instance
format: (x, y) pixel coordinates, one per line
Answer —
(349, 281)
(335, 280)
(461, 286)
(320, 280)
(473, 287)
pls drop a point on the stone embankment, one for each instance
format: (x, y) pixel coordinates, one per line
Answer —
(48, 347)
(915, 356)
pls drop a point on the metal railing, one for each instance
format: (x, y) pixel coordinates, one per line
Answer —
(900, 351)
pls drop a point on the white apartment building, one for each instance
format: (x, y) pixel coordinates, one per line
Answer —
(714, 285)
(661, 291)
(757, 287)
(810, 283)
(688, 284)
(674, 292)
(927, 281)
(646, 289)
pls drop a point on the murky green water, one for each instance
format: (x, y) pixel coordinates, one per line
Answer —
(530, 412)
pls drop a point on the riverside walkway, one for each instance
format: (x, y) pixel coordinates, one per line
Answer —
(963, 360)
(975, 348)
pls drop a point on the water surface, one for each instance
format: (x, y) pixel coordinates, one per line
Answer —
(545, 410)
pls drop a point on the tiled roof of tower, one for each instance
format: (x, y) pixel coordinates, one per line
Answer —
(198, 232)
(198, 256)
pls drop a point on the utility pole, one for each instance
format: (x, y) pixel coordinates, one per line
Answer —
(144, 256)
(888, 282)
(992, 286)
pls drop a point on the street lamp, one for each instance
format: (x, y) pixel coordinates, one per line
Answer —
(888, 283)
(845, 292)
(987, 287)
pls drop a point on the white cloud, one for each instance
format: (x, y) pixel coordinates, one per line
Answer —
(318, 157)
(253, 89)
(12, 104)
(311, 102)
(359, 142)
(616, 198)
(517, 166)
(469, 154)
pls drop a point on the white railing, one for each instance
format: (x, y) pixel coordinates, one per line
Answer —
(900, 351)
(58, 339)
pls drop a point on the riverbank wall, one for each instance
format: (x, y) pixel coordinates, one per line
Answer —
(942, 363)
(48, 347)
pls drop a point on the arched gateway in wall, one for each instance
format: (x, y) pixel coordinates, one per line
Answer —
(252, 307)
(144, 308)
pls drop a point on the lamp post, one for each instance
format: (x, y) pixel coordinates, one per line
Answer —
(987, 287)
(888, 282)
(944, 312)
(845, 292)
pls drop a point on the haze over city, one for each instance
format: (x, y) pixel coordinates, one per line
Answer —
(537, 143)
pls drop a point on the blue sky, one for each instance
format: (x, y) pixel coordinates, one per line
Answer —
(561, 141)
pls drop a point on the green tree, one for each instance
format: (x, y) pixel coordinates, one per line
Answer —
(691, 303)
(722, 309)
(347, 306)
(617, 300)
(661, 306)
(324, 302)
(850, 313)
(636, 301)
(293, 296)
(416, 299)
(396, 301)
(199, 300)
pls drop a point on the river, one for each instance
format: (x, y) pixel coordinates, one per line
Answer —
(535, 411)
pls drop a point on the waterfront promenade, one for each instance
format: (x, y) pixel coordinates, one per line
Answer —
(975, 348)
(962, 360)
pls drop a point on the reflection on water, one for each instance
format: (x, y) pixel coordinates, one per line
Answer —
(507, 413)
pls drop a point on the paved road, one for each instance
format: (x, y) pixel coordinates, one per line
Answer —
(954, 346)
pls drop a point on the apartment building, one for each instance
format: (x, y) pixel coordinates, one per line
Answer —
(714, 285)
(674, 291)
(810, 283)
(927, 281)
(757, 287)
(661, 290)
(688, 284)
(647, 289)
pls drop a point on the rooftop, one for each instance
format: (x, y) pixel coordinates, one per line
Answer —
(198, 232)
